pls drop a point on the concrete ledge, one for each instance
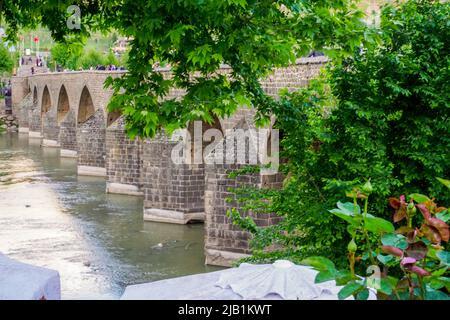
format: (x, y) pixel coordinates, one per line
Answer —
(20, 281)
(222, 258)
(65, 153)
(35, 134)
(171, 216)
(121, 188)
(50, 143)
(24, 130)
(91, 171)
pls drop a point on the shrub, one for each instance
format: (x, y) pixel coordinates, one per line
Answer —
(383, 115)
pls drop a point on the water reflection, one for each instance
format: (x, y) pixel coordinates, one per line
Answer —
(99, 243)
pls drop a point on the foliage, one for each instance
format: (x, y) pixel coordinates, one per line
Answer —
(252, 37)
(382, 114)
(393, 106)
(413, 252)
(67, 55)
(91, 58)
(6, 61)
(111, 59)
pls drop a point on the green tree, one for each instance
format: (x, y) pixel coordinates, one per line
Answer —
(251, 36)
(6, 61)
(67, 55)
(383, 114)
(91, 58)
(111, 59)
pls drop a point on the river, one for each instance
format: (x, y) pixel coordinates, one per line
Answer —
(98, 242)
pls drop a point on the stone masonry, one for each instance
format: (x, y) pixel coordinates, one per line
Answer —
(91, 144)
(124, 161)
(176, 193)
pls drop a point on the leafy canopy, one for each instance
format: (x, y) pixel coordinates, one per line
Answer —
(197, 37)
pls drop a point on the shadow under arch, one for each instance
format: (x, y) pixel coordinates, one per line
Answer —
(112, 117)
(46, 103)
(86, 107)
(35, 97)
(209, 137)
(90, 137)
(63, 106)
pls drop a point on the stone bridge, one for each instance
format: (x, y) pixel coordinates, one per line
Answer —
(68, 110)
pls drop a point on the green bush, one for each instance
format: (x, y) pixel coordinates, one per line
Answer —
(6, 61)
(381, 115)
(92, 58)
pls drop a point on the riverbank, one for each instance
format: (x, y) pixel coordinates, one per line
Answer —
(98, 242)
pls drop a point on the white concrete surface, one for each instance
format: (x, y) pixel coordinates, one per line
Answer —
(24, 130)
(20, 281)
(172, 216)
(65, 153)
(214, 286)
(121, 188)
(91, 171)
(50, 143)
(35, 134)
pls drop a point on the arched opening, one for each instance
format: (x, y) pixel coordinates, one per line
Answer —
(203, 139)
(46, 101)
(86, 108)
(112, 117)
(63, 104)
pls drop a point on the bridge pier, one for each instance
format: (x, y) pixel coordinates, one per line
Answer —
(124, 161)
(23, 112)
(68, 136)
(35, 123)
(173, 193)
(91, 146)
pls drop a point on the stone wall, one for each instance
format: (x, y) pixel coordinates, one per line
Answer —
(173, 192)
(91, 145)
(68, 133)
(20, 89)
(9, 122)
(50, 128)
(35, 120)
(176, 193)
(123, 161)
(23, 111)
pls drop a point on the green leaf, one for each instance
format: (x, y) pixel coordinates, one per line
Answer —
(394, 240)
(378, 225)
(387, 285)
(363, 294)
(432, 294)
(343, 277)
(349, 289)
(445, 182)
(319, 263)
(443, 215)
(444, 257)
(324, 276)
(385, 259)
(346, 211)
(419, 198)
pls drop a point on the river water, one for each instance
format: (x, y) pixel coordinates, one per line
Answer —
(98, 242)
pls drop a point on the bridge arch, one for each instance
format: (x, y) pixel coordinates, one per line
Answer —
(46, 103)
(63, 106)
(91, 136)
(86, 107)
(112, 117)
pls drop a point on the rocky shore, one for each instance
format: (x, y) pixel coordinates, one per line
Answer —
(9, 122)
